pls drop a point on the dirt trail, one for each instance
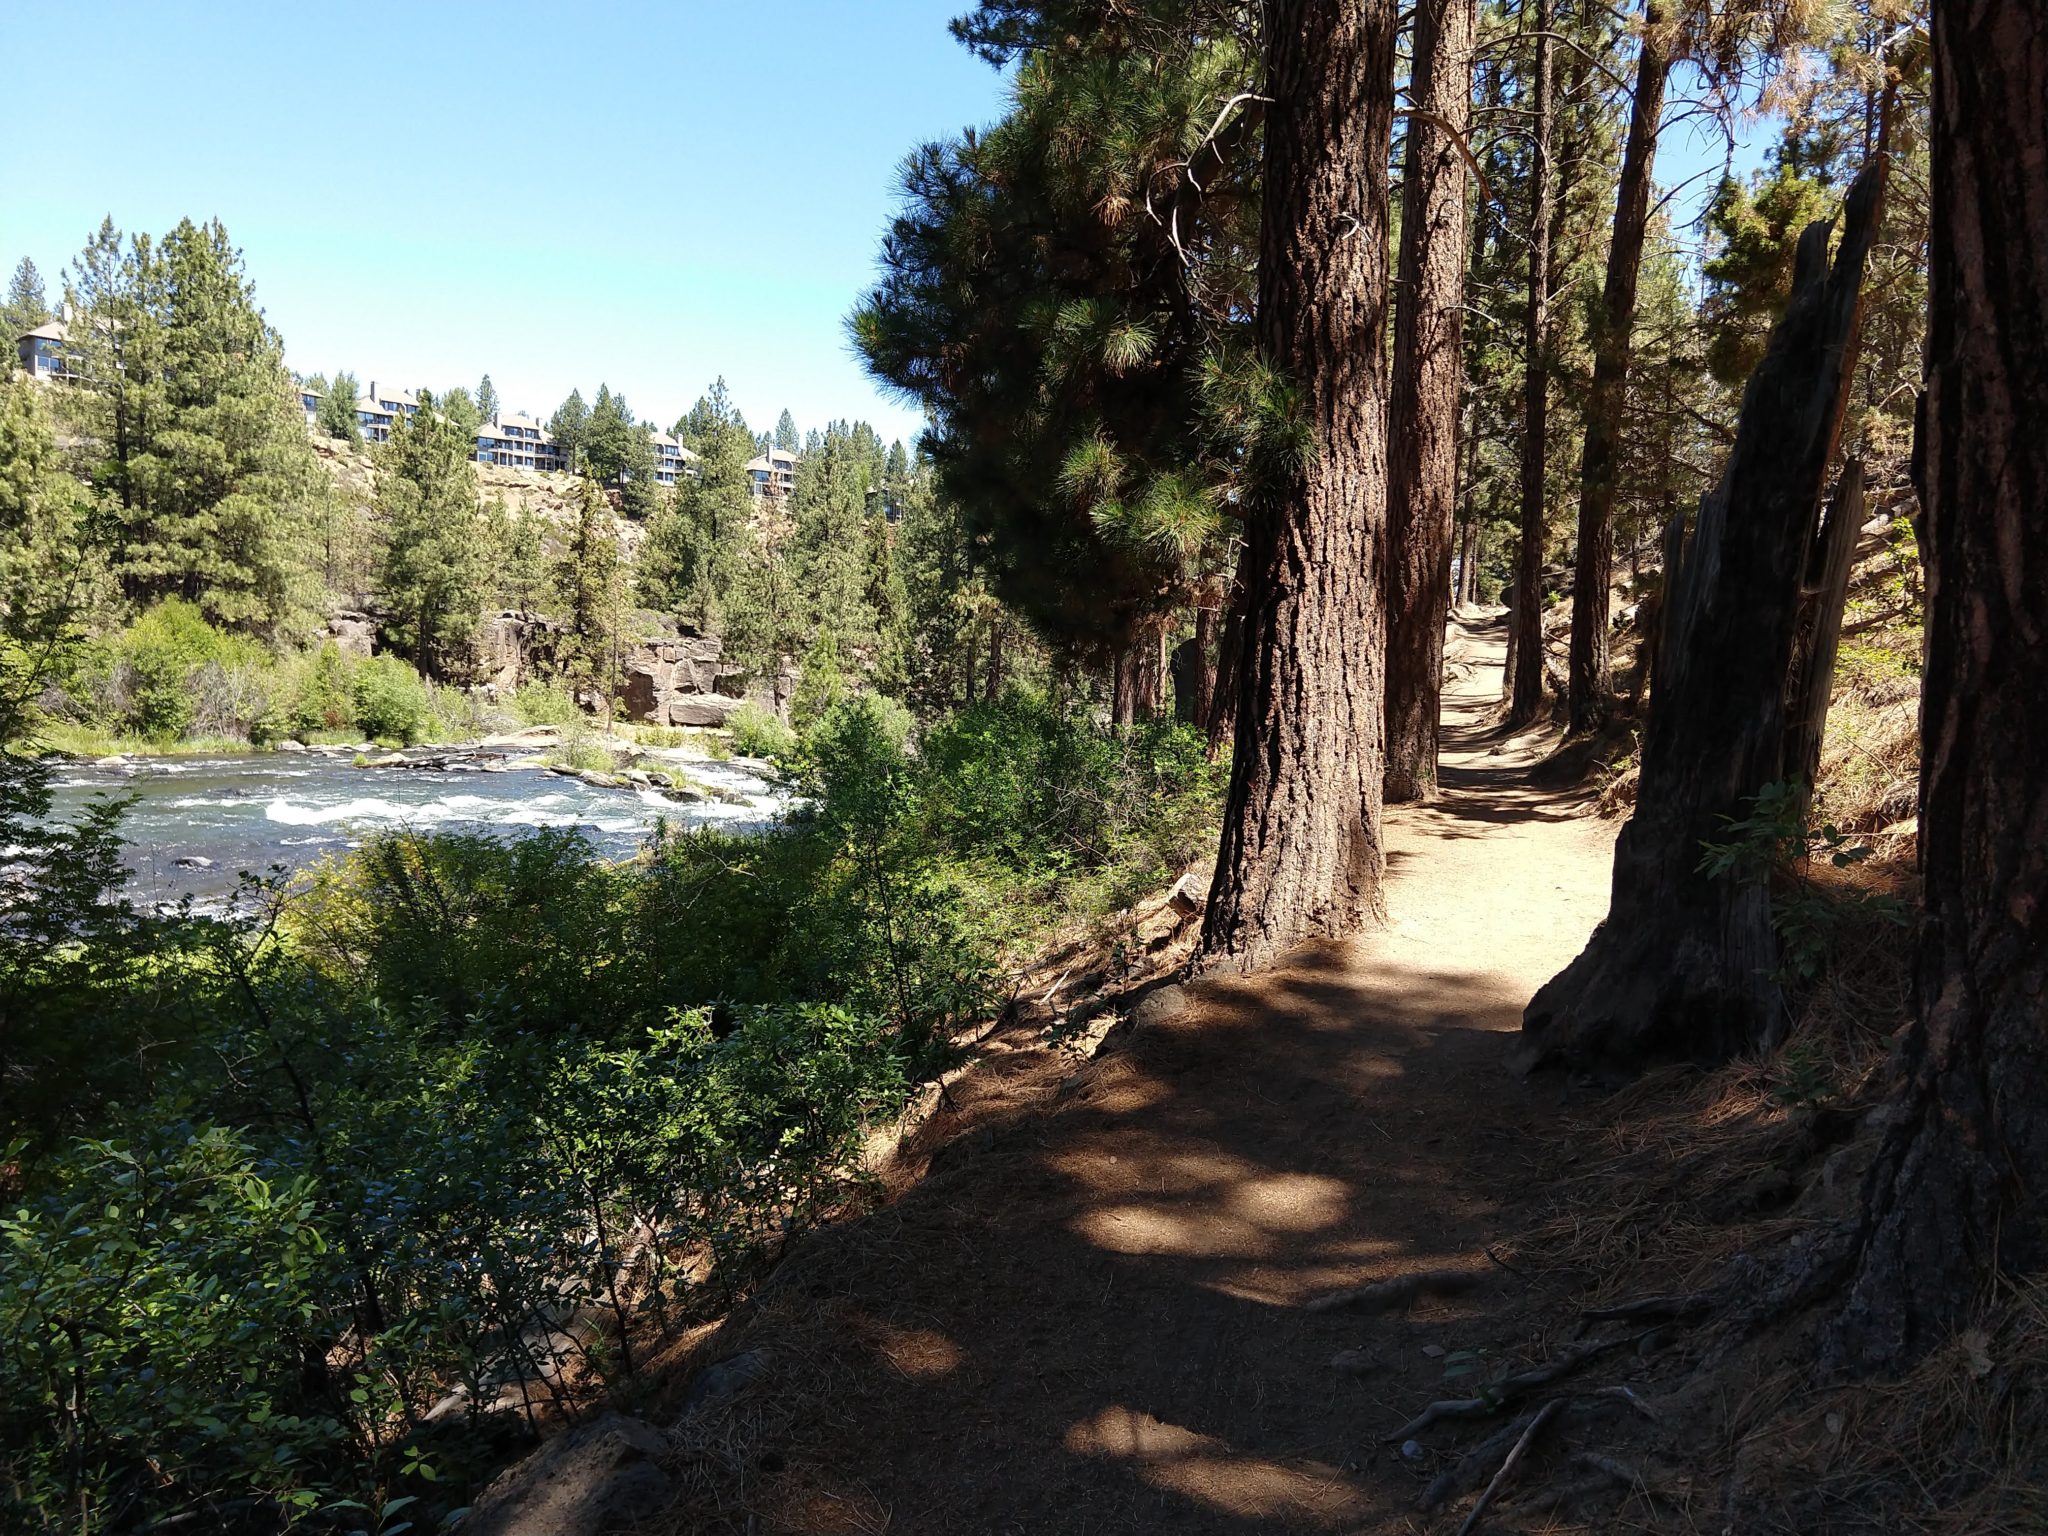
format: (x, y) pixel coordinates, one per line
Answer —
(1091, 1317)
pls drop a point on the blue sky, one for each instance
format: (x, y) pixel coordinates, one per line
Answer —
(642, 194)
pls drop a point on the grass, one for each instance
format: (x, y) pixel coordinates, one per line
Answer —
(86, 741)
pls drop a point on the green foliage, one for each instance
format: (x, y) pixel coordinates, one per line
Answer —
(390, 700)
(1774, 842)
(200, 435)
(27, 304)
(568, 427)
(822, 683)
(759, 732)
(434, 571)
(336, 414)
(538, 703)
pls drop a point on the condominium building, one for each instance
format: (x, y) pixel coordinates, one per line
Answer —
(42, 351)
(671, 458)
(773, 473)
(518, 442)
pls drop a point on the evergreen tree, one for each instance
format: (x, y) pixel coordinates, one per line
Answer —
(460, 409)
(487, 403)
(51, 572)
(336, 414)
(830, 510)
(591, 587)
(27, 306)
(568, 425)
(518, 546)
(434, 573)
(713, 411)
(697, 544)
(202, 435)
(785, 433)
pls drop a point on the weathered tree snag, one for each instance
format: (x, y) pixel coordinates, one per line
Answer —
(1819, 637)
(1525, 675)
(1959, 1190)
(1222, 721)
(1422, 430)
(1684, 967)
(1591, 675)
(1301, 855)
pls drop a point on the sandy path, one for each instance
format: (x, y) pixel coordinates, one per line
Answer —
(1090, 1317)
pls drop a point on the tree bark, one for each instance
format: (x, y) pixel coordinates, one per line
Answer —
(1684, 967)
(1591, 678)
(1301, 856)
(1222, 721)
(1959, 1191)
(1525, 684)
(1422, 431)
(1205, 655)
(1819, 642)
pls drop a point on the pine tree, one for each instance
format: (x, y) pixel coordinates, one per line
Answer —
(567, 426)
(27, 306)
(714, 411)
(785, 433)
(590, 584)
(487, 404)
(336, 414)
(204, 440)
(434, 571)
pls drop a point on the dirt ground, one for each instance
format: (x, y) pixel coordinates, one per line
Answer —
(1094, 1314)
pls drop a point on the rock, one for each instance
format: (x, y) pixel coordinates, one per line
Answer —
(657, 674)
(719, 1384)
(114, 761)
(355, 634)
(599, 780)
(1158, 1006)
(536, 737)
(703, 710)
(599, 1477)
(639, 778)
(193, 861)
(1189, 895)
(1355, 1362)
(289, 746)
(387, 760)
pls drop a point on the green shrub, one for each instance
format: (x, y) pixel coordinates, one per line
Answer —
(319, 693)
(546, 704)
(390, 700)
(157, 659)
(760, 732)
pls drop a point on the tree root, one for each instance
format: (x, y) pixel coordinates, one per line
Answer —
(1681, 1308)
(1543, 1416)
(1386, 1295)
(1510, 1388)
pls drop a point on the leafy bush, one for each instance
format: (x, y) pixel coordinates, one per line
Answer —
(390, 700)
(759, 732)
(546, 704)
(156, 660)
(320, 692)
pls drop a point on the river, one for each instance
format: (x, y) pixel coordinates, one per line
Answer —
(198, 821)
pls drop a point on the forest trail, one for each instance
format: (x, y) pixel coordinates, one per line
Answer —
(1090, 1317)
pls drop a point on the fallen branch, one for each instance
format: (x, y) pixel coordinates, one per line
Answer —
(1466, 1471)
(1665, 1308)
(1507, 1468)
(1385, 1295)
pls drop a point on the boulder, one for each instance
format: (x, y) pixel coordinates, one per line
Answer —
(193, 861)
(289, 746)
(703, 710)
(658, 672)
(599, 1477)
(1159, 1006)
(355, 634)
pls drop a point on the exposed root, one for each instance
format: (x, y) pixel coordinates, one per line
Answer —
(1386, 1295)
(1543, 1416)
(1508, 1389)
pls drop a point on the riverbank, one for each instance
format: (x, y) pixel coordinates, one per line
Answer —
(62, 740)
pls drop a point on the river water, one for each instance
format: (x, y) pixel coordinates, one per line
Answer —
(198, 821)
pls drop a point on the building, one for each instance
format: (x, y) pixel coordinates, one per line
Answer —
(671, 458)
(773, 473)
(379, 409)
(42, 352)
(518, 442)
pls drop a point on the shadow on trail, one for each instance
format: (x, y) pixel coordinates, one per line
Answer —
(1092, 1318)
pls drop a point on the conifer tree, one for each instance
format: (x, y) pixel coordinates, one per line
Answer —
(567, 427)
(336, 414)
(27, 306)
(487, 403)
(434, 569)
(590, 583)
(785, 433)
(202, 435)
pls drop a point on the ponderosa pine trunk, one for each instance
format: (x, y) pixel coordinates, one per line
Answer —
(1959, 1190)
(1525, 683)
(1590, 680)
(1685, 964)
(1422, 413)
(1301, 856)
